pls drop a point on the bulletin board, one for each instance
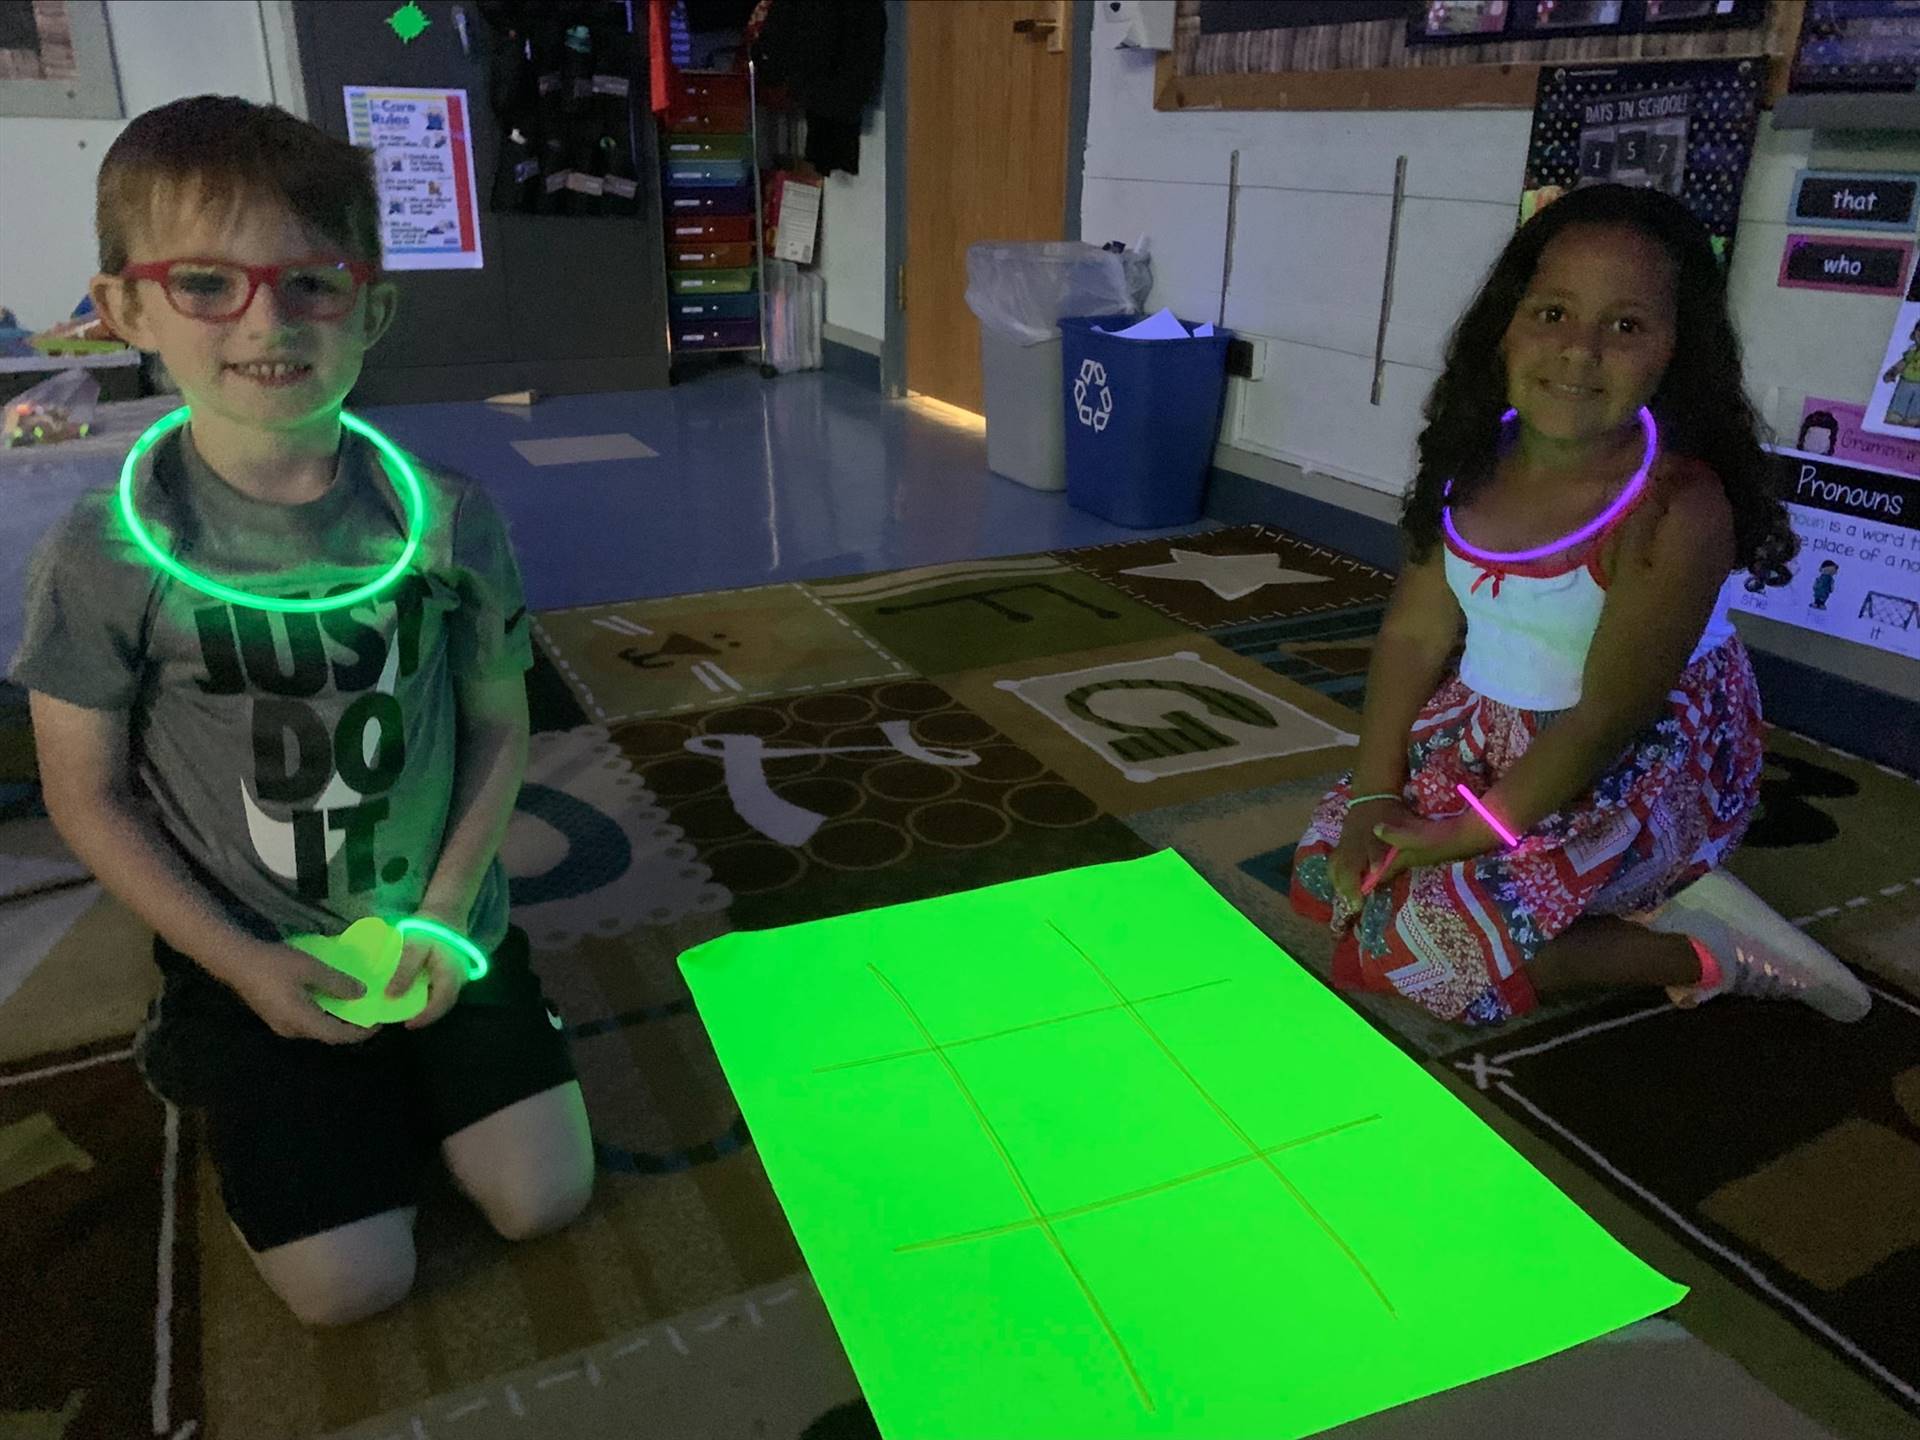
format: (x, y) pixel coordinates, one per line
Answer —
(1369, 64)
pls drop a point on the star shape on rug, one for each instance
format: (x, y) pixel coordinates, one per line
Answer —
(1231, 577)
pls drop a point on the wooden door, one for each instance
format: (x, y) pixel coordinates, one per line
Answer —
(986, 160)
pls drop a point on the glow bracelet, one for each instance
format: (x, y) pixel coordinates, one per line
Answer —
(446, 935)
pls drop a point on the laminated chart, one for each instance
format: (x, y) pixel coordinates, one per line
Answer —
(1087, 1155)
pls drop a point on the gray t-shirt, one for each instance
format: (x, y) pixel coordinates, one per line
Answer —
(303, 762)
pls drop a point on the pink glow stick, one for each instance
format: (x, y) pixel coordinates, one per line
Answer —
(1487, 815)
(1372, 877)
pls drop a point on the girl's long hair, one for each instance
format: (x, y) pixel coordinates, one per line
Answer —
(1701, 405)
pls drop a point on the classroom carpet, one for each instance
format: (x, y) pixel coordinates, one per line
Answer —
(760, 757)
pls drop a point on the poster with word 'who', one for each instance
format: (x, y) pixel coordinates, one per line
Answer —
(423, 167)
(1857, 575)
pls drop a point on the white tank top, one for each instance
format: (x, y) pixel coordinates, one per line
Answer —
(1529, 626)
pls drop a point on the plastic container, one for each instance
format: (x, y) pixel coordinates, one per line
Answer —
(716, 230)
(709, 257)
(702, 202)
(710, 282)
(693, 87)
(706, 173)
(1026, 437)
(705, 309)
(706, 147)
(1019, 292)
(717, 335)
(1141, 420)
(707, 117)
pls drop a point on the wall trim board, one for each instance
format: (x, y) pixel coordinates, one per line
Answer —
(1458, 87)
(1234, 498)
(850, 362)
(852, 339)
(893, 344)
(1079, 101)
(282, 41)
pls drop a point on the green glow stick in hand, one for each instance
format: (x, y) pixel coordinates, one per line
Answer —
(369, 950)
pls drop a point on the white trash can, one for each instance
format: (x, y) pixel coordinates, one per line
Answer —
(1020, 291)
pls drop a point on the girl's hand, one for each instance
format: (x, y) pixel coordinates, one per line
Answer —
(1359, 850)
(446, 974)
(1433, 842)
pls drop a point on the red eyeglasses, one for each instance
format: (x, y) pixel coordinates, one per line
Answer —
(316, 289)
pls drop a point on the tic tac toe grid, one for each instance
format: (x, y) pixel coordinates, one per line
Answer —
(1088, 1155)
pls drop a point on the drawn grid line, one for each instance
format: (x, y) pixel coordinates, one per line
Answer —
(1019, 1184)
(1044, 1221)
(1233, 1125)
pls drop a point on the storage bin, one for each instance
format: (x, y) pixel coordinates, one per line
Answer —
(709, 257)
(707, 117)
(719, 230)
(709, 282)
(704, 174)
(705, 309)
(700, 201)
(718, 335)
(696, 88)
(706, 147)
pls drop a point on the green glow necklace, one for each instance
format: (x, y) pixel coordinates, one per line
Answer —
(399, 469)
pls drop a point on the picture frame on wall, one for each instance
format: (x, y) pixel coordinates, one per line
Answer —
(1459, 22)
(1555, 19)
(1471, 22)
(1664, 15)
(1858, 47)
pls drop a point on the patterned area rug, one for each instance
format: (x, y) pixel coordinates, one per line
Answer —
(760, 757)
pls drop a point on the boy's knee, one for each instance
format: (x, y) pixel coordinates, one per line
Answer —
(342, 1294)
(527, 1207)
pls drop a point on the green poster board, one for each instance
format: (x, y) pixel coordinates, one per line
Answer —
(1088, 1155)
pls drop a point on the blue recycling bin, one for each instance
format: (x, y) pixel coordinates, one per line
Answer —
(1142, 417)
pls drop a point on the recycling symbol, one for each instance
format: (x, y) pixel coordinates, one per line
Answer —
(1093, 377)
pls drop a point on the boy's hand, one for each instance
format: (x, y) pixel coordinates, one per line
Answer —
(278, 984)
(446, 973)
(1359, 850)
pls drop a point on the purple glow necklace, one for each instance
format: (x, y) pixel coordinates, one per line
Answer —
(1621, 503)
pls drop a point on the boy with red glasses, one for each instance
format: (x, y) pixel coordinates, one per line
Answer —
(242, 773)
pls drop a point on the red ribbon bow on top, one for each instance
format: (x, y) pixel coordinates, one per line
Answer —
(1489, 573)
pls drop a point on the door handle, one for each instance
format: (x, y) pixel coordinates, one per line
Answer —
(1054, 28)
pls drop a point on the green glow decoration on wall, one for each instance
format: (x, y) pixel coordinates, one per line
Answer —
(1088, 1155)
(400, 470)
(409, 22)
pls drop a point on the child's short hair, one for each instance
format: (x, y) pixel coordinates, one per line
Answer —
(226, 151)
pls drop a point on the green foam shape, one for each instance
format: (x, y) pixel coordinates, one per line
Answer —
(369, 951)
(1089, 1156)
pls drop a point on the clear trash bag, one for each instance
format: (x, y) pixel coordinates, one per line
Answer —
(1020, 289)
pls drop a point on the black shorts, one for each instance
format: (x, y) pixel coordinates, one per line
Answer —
(307, 1136)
